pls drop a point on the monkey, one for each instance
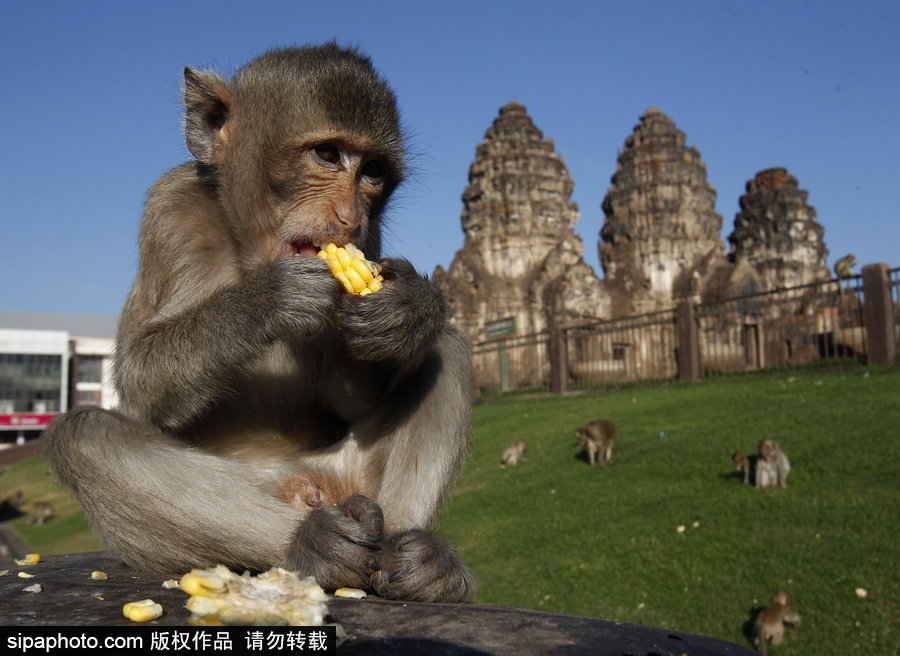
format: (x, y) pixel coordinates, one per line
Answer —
(744, 464)
(43, 513)
(843, 268)
(769, 623)
(267, 418)
(10, 506)
(597, 438)
(766, 474)
(773, 463)
(514, 453)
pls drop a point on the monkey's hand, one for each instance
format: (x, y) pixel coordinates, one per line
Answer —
(304, 296)
(420, 566)
(397, 324)
(338, 544)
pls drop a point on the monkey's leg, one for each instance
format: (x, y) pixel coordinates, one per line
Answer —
(164, 506)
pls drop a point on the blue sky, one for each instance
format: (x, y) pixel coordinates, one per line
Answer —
(91, 111)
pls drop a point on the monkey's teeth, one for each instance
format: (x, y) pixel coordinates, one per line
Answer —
(304, 248)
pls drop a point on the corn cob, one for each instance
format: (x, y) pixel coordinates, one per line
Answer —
(142, 611)
(277, 597)
(348, 264)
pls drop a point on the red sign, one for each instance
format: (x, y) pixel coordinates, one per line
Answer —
(26, 420)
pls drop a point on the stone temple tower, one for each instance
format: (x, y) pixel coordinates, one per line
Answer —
(521, 258)
(776, 232)
(660, 218)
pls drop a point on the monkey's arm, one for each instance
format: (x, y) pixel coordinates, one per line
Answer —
(193, 322)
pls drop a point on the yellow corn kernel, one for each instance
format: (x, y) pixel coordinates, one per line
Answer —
(142, 611)
(202, 583)
(350, 593)
(29, 559)
(97, 575)
(350, 267)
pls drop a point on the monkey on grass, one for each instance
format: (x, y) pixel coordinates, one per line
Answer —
(267, 417)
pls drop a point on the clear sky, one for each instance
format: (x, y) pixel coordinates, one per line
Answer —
(91, 115)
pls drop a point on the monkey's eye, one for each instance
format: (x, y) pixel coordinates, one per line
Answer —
(373, 170)
(328, 152)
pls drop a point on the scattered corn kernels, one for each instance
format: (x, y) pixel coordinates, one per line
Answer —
(274, 598)
(170, 583)
(97, 575)
(350, 593)
(351, 268)
(142, 611)
(202, 583)
(33, 588)
(29, 559)
(25, 575)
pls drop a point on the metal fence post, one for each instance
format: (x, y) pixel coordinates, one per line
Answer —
(878, 314)
(688, 341)
(559, 366)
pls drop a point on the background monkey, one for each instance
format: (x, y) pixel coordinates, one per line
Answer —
(769, 624)
(514, 453)
(744, 464)
(266, 417)
(843, 268)
(597, 438)
(772, 465)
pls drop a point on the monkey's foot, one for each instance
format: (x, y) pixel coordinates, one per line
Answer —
(338, 545)
(420, 566)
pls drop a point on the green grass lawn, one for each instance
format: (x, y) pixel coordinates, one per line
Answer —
(557, 535)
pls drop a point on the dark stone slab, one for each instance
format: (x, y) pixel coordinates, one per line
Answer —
(376, 626)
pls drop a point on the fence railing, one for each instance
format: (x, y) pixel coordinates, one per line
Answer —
(856, 319)
(786, 327)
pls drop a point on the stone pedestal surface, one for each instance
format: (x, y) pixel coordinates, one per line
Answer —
(375, 626)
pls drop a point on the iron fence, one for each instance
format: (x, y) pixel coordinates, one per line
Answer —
(819, 321)
(894, 278)
(785, 327)
(642, 347)
(511, 363)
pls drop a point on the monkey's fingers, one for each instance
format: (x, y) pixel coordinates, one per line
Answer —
(420, 566)
(348, 264)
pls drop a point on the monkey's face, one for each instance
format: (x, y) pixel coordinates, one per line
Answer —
(305, 148)
(331, 188)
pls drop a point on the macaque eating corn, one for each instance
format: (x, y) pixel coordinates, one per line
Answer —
(351, 268)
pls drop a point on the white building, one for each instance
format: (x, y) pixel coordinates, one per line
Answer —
(50, 363)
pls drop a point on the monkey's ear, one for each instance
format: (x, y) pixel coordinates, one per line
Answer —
(207, 102)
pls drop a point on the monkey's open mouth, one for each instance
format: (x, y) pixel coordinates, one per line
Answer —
(303, 248)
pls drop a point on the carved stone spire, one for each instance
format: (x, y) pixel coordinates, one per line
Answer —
(521, 257)
(777, 233)
(660, 217)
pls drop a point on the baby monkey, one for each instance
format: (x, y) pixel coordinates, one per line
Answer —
(742, 464)
(514, 453)
(769, 624)
(597, 438)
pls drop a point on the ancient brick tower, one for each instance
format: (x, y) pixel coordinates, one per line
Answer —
(776, 232)
(660, 218)
(521, 258)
